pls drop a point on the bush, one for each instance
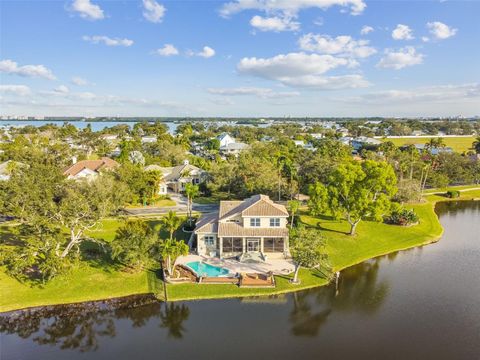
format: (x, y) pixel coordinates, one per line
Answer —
(403, 217)
(452, 194)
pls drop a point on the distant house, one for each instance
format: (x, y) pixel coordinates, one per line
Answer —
(148, 139)
(362, 141)
(253, 228)
(109, 137)
(434, 151)
(89, 169)
(175, 178)
(225, 139)
(233, 148)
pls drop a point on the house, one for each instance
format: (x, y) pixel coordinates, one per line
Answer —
(175, 178)
(233, 148)
(225, 139)
(148, 139)
(433, 151)
(89, 169)
(254, 227)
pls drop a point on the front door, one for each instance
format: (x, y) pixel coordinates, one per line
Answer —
(253, 245)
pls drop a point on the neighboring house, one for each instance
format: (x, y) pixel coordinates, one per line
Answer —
(148, 139)
(229, 146)
(233, 148)
(225, 139)
(89, 169)
(361, 141)
(175, 178)
(434, 151)
(109, 137)
(255, 226)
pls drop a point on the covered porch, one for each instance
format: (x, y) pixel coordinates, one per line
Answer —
(275, 247)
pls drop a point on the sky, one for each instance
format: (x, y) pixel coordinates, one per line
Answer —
(239, 58)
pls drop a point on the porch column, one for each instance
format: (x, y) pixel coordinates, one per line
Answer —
(220, 248)
(261, 244)
(244, 245)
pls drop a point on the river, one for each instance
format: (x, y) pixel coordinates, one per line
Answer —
(422, 303)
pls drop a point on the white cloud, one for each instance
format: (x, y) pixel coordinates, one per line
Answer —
(275, 23)
(301, 70)
(79, 81)
(62, 89)
(402, 32)
(265, 93)
(440, 30)
(207, 52)
(289, 7)
(167, 50)
(404, 57)
(366, 30)
(442, 93)
(425, 39)
(97, 39)
(153, 11)
(87, 10)
(18, 90)
(11, 67)
(341, 45)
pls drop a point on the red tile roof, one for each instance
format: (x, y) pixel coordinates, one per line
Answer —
(93, 165)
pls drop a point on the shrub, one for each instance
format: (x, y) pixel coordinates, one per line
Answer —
(403, 217)
(452, 194)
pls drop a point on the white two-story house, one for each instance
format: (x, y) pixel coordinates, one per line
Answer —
(256, 225)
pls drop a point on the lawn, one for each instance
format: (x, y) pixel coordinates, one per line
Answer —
(372, 240)
(458, 144)
(158, 203)
(95, 279)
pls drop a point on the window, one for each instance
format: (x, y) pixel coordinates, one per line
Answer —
(274, 222)
(209, 240)
(255, 222)
(271, 245)
(232, 245)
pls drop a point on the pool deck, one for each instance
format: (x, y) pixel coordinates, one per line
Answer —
(276, 266)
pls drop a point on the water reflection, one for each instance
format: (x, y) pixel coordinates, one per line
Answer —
(80, 326)
(358, 290)
(172, 318)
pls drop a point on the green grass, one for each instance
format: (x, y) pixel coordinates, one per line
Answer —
(93, 280)
(373, 239)
(458, 144)
(158, 203)
(206, 200)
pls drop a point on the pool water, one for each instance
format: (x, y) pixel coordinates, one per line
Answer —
(203, 269)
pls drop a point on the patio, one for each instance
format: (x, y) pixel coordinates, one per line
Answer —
(276, 266)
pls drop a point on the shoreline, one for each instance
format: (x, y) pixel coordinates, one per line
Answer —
(260, 292)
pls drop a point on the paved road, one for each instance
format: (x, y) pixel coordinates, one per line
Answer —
(180, 208)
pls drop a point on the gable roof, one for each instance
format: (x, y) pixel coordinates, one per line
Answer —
(175, 172)
(92, 165)
(208, 223)
(257, 205)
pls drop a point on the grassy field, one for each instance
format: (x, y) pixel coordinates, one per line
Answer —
(458, 144)
(372, 240)
(93, 280)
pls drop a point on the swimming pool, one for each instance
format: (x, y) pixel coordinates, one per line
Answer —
(203, 269)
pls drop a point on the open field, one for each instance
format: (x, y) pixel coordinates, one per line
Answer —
(458, 144)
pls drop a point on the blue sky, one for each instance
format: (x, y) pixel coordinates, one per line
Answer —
(240, 58)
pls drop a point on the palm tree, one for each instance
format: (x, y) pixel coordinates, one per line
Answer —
(293, 205)
(191, 191)
(171, 222)
(170, 250)
(173, 319)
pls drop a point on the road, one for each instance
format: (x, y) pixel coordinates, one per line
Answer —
(180, 208)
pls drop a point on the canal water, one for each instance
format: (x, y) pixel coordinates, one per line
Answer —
(422, 303)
